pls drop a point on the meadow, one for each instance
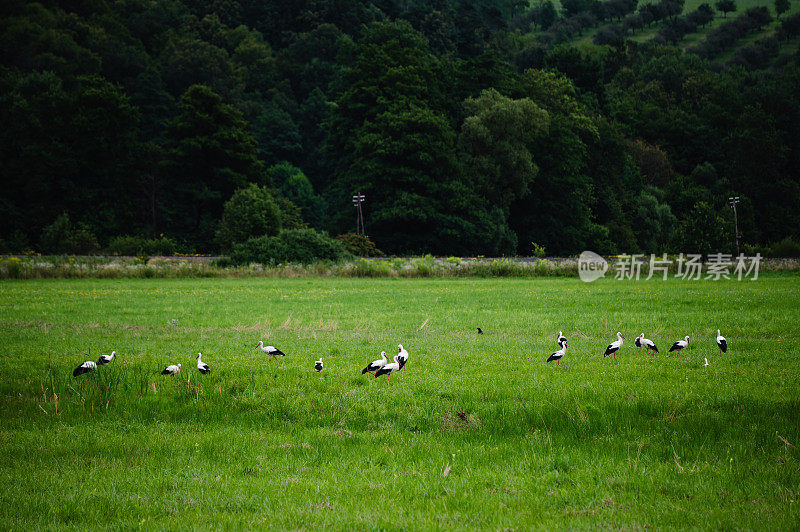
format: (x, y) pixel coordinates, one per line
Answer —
(477, 432)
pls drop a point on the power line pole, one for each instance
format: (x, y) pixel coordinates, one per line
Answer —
(358, 199)
(733, 200)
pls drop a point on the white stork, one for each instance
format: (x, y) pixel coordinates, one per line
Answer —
(105, 359)
(558, 355)
(706, 364)
(722, 342)
(649, 345)
(375, 365)
(270, 350)
(402, 355)
(318, 365)
(388, 369)
(614, 346)
(638, 342)
(680, 345)
(202, 366)
(86, 367)
(561, 339)
(172, 370)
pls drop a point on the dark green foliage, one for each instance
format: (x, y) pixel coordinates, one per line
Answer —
(135, 245)
(294, 245)
(62, 237)
(725, 6)
(144, 117)
(359, 245)
(781, 7)
(251, 212)
(788, 247)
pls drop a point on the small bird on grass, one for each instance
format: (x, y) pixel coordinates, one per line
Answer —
(270, 350)
(388, 369)
(722, 343)
(375, 365)
(614, 346)
(402, 356)
(680, 345)
(706, 364)
(172, 370)
(86, 367)
(641, 341)
(480, 331)
(105, 359)
(558, 355)
(318, 365)
(202, 366)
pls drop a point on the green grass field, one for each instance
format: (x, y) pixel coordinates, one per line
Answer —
(477, 432)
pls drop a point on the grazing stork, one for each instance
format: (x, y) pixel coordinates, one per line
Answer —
(679, 346)
(271, 351)
(105, 359)
(558, 355)
(388, 369)
(202, 366)
(561, 339)
(480, 331)
(648, 344)
(614, 346)
(402, 356)
(86, 367)
(706, 364)
(318, 365)
(722, 342)
(375, 365)
(172, 370)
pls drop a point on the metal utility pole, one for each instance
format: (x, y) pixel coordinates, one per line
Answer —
(733, 200)
(358, 199)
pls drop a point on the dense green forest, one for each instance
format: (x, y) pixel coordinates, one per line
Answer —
(471, 126)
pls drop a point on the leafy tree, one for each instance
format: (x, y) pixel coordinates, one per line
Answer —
(209, 154)
(497, 137)
(251, 212)
(295, 186)
(656, 224)
(703, 231)
(781, 7)
(62, 237)
(725, 6)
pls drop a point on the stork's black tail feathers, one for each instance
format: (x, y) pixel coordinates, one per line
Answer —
(80, 370)
(724, 346)
(553, 357)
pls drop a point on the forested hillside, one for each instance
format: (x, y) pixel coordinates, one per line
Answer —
(472, 126)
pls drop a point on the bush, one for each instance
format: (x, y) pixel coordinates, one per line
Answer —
(251, 212)
(135, 245)
(786, 248)
(63, 238)
(359, 245)
(295, 245)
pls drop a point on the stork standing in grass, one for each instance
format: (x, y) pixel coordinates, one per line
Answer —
(561, 339)
(722, 343)
(202, 366)
(375, 365)
(402, 355)
(558, 355)
(86, 367)
(388, 369)
(270, 350)
(614, 346)
(105, 359)
(680, 345)
(318, 365)
(649, 345)
(172, 370)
